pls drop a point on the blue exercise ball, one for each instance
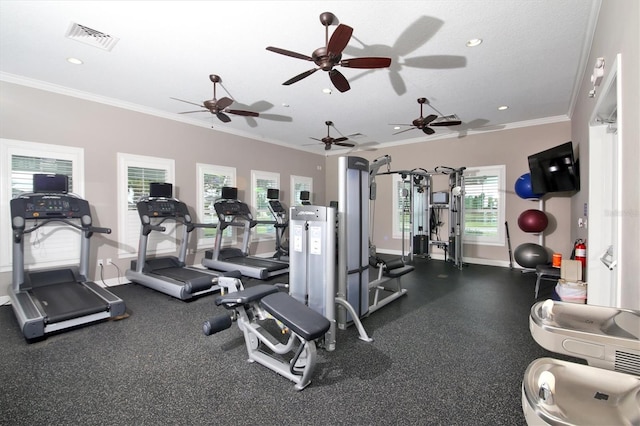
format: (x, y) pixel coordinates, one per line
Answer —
(524, 189)
(530, 255)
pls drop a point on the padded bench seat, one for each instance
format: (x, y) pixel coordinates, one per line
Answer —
(398, 272)
(301, 319)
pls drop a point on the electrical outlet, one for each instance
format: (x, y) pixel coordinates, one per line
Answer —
(109, 262)
(100, 262)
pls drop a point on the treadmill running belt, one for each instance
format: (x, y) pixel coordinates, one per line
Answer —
(257, 262)
(185, 275)
(64, 301)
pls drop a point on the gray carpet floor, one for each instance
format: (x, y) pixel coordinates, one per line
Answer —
(451, 352)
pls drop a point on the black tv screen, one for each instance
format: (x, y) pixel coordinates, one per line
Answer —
(43, 183)
(554, 170)
(160, 190)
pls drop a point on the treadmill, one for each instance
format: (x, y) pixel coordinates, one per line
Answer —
(279, 213)
(235, 213)
(168, 274)
(49, 300)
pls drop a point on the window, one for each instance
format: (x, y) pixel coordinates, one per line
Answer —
(299, 184)
(20, 161)
(260, 182)
(484, 205)
(401, 206)
(211, 179)
(135, 172)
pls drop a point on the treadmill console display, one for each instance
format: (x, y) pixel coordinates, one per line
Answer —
(162, 207)
(44, 206)
(232, 208)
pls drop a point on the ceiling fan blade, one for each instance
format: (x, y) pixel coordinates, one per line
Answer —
(223, 117)
(300, 77)
(405, 130)
(190, 112)
(289, 53)
(241, 112)
(350, 145)
(222, 103)
(315, 139)
(339, 80)
(447, 123)
(369, 62)
(339, 39)
(342, 139)
(429, 118)
(428, 130)
(188, 102)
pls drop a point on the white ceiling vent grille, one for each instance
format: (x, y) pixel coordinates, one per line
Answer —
(91, 37)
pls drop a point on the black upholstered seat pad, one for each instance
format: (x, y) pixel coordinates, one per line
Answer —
(301, 319)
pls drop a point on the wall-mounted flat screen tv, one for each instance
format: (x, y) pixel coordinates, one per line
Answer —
(554, 170)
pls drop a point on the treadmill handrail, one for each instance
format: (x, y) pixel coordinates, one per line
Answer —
(89, 230)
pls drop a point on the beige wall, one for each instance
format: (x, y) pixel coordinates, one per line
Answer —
(617, 32)
(504, 147)
(34, 115)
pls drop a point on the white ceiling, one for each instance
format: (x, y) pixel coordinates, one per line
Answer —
(531, 59)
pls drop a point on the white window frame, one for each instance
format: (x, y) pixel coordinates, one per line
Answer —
(48, 256)
(202, 203)
(499, 238)
(396, 216)
(304, 181)
(158, 243)
(269, 230)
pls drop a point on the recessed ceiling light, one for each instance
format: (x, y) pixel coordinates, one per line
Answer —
(286, 105)
(326, 91)
(503, 107)
(74, 61)
(396, 128)
(474, 42)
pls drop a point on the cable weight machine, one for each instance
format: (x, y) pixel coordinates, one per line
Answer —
(423, 205)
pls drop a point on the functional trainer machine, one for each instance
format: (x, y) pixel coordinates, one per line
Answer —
(299, 324)
(50, 300)
(168, 274)
(424, 208)
(234, 213)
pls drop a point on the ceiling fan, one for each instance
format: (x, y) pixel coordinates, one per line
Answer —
(218, 107)
(328, 140)
(426, 123)
(330, 55)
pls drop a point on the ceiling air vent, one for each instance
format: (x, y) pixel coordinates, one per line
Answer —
(91, 37)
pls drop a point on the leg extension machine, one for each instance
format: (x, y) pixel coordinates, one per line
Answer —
(265, 302)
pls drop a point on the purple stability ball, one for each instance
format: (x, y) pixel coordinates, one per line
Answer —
(533, 220)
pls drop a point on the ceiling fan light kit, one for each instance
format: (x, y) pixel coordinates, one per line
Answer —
(328, 141)
(431, 120)
(329, 56)
(218, 107)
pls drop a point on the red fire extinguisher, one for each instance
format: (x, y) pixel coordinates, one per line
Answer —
(581, 252)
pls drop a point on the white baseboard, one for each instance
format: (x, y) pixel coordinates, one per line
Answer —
(471, 260)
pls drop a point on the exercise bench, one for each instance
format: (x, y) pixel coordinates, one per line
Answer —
(388, 272)
(263, 302)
